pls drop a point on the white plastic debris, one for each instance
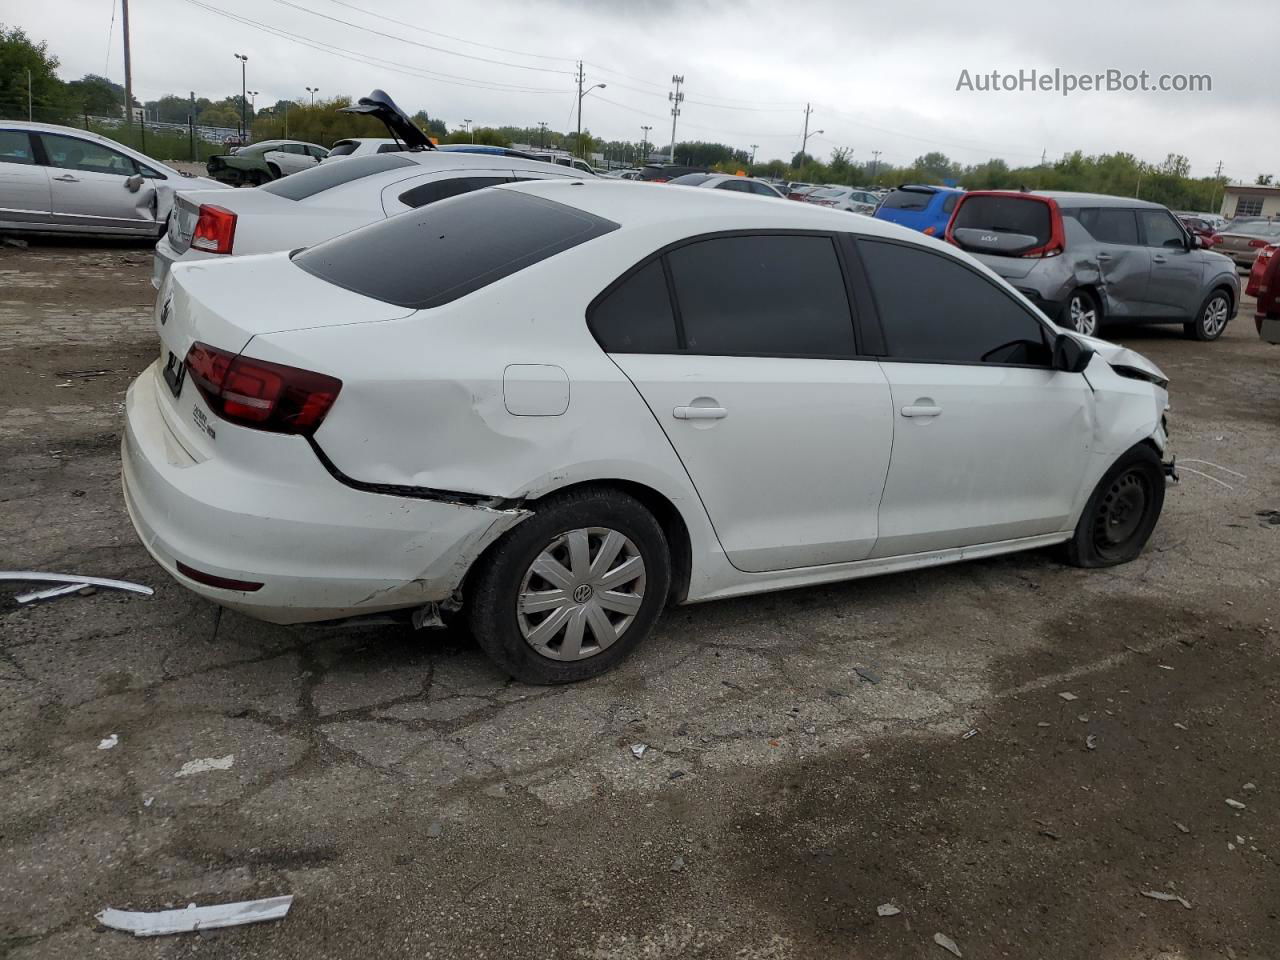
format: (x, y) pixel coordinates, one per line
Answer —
(1235, 804)
(1167, 897)
(1068, 696)
(638, 749)
(946, 943)
(69, 583)
(1182, 827)
(205, 765)
(1249, 787)
(109, 742)
(1091, 741)
(195, 918)
(1164, 666)
(887, 910)
(972, 733)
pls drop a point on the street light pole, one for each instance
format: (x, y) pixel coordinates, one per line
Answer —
(243, 61)
(128, 65)
(313, 91)
(254, 106)
(644, 142)
(469, 130)
(754, 148)
(542, 135)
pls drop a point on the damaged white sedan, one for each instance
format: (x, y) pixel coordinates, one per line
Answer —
(563, 406)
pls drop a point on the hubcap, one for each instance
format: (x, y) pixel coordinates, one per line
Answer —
(1120, 511)
(581, 593)
(1215, 316)
(1084, 318)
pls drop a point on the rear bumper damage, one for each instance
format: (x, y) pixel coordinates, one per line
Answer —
(318, 549)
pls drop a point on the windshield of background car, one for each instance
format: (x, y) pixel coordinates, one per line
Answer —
(907, 200)
(1255, 228)
(433, 255)
(326, 176)
(1021, 215)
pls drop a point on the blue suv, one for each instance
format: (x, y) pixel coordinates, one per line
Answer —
(923, 208)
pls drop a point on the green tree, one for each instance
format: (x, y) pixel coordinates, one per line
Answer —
(21, 57)
(433, 128)
(96, 96)
(1264, 180)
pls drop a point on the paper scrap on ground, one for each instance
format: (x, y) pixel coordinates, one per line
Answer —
(207, 764)
(109, 742)
(195, 918)
(946, 943)
(1167, 897)
(887, 910)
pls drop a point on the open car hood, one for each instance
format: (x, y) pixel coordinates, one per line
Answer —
(1122, 358)
(378, 104)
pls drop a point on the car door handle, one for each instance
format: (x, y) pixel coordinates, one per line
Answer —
(1104, 257)
(921, 410)
(699, 413)
(67, 178)
(1158, 259)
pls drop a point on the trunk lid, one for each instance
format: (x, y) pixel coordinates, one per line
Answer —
(246, 202)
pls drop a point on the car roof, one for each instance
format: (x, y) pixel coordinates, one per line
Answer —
(457, 159)
(1068, 198)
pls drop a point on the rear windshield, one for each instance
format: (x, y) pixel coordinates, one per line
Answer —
(343, 148)
(326, 176)
(691, 179)
(907, 200)
(1022, 215)
(436, 254)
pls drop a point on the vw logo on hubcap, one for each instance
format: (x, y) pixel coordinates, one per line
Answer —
(582, 593)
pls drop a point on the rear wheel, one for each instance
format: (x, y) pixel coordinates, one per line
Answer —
(1212, 319)
(1083, 314)
(1121, 512)
(570, 592)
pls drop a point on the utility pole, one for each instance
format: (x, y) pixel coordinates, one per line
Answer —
(244, 60)
(29, 110)
(754, 148)
(875, 164)
(644, 142)
(676, 99)
(577, 143)
(469, 130)
(542, 135)
(191, 127)
(805, 139)
(128, 65)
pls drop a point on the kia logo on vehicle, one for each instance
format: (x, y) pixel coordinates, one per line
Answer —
(989, 238)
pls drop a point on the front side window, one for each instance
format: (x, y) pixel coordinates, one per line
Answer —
(72, 153)
(949, 204)
(635, 316)
(781, 295)
(15, 147)
(1111, 225)
(427, 193)
(1160, 229)
(935, 309)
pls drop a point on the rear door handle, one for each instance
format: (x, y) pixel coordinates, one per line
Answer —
(67, 178)
(921, 410)
(699, 413)
(1158, 259)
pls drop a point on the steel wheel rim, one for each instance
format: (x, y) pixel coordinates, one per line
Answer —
(1215, 316)
(1121, 511)
(581, 593)
(1084, 316)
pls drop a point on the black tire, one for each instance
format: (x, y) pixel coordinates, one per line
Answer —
(1121, 512)
(1088, 307)
(1212, 318)
(274, 171)
(493, 596)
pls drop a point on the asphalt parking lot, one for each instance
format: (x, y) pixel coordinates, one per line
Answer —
(806, 753)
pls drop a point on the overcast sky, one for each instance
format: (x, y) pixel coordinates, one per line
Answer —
(880, 76)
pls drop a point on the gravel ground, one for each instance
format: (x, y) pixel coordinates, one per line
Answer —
(806, 753)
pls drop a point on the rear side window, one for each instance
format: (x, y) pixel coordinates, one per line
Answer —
(635, 316)
(738, 185)
(1111, 225)
(935, 309)
(907, 200)
(691, 179)
(1005, 215)
(434, 255)
(780, 295)
(326, 176)
(427, 193)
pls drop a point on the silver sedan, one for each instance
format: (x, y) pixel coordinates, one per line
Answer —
(57, 179)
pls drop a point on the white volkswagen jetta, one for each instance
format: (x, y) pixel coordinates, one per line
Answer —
(564, 405)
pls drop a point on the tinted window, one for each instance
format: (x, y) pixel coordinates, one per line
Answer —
(949, 204)
(934, 308)
(71, 153)
(691, 179)
(326, 176)
(764, 190)
(389, 148)
(773, 295)
(907, 200)
(738, 185)
(15, 147)
(1111, 225)
(343, 148)
(636, 317)
(427, 193)
(1161, 230)
(1006, 214)
(436, 254)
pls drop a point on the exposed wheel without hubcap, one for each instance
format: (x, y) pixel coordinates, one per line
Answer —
(1083, 314)
(581, 593)
(1120, 512)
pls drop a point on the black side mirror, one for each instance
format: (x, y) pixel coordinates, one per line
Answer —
(1070, 355)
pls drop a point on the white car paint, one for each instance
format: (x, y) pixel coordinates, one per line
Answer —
(844, 198)
(362, 147)
(453, 422)
(267, 221)
(86, 184)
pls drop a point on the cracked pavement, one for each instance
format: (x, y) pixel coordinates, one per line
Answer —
(805, 757)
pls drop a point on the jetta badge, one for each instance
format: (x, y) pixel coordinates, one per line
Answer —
(164, 311)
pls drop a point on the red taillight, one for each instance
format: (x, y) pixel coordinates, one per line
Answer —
(261, 394)
(215, 230)
(1213, 239)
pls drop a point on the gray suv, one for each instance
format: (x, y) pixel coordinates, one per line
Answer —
(1088, 259)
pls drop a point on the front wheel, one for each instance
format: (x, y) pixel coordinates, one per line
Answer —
(1121, 512)
(571, 591)
(1212, 319)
